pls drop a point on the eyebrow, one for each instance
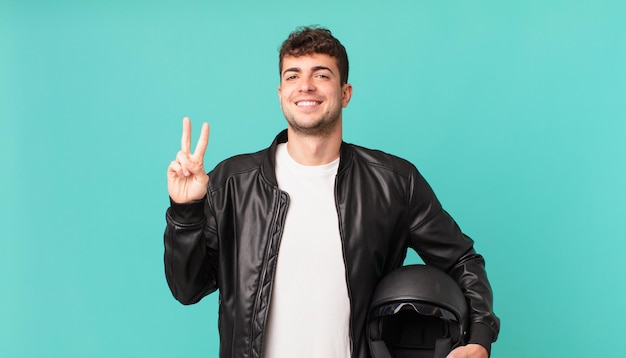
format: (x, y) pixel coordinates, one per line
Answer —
(314, 68)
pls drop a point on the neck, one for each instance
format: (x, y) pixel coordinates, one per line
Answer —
(314, 150)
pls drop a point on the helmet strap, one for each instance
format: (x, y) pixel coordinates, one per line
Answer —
(442, 347)
(379, 349)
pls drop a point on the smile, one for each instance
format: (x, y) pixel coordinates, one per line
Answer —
(307, 103)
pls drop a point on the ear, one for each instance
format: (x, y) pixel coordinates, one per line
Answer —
(346, 94)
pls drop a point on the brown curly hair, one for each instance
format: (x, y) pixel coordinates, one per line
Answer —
(308, 40)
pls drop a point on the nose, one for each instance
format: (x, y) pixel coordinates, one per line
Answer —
(307, 85)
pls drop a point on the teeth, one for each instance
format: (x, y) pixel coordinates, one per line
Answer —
(307, 103)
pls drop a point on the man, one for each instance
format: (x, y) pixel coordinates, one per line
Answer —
(297, 236)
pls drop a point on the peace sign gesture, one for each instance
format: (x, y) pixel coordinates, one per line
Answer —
(186, 178)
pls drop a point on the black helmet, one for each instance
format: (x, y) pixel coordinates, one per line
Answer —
(416, 311)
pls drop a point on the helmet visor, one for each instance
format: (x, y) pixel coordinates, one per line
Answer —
(425, 309)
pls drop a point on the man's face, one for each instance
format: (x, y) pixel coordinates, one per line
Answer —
(311, 94)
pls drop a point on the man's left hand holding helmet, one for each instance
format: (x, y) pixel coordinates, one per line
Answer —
(469, 351)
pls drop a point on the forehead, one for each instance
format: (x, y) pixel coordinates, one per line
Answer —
(313, 60)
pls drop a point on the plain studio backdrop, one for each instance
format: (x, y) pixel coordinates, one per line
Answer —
(515, 112)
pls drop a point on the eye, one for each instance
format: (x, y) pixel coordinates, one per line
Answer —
(322, 75)
(290, 77)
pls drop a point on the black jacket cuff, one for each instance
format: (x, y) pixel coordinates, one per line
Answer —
(187, 213)
(483, 335)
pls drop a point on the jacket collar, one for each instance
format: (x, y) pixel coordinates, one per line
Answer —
(268, 167)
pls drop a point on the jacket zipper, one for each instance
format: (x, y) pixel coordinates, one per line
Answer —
(345, 263)
(283, 201)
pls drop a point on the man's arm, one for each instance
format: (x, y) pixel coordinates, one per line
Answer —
(188, 254)
(439, 241)
(190, 259)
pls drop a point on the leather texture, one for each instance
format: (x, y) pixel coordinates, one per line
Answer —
(230, 241)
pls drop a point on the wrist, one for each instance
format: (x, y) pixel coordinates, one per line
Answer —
(482, 335)
(190, 212)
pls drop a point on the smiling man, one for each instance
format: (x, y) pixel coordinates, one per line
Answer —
(312, 94)
(297, 236)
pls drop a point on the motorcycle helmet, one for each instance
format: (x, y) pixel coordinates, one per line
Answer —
(416, 311)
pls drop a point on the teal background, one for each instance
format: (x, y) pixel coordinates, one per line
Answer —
(515, 113)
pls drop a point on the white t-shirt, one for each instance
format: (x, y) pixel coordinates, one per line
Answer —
(310, 310)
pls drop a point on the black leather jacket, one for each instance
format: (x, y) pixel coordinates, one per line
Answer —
(230, 242)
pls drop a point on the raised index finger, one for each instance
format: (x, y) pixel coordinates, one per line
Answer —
(185, 142)
(202, 142)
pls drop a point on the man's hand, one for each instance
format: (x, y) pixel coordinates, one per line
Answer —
(186, 178)
(469, 351)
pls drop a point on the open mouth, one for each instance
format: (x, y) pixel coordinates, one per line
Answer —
(307, 103)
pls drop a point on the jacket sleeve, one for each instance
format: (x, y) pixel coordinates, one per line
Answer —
(190, 258)
(438, 240)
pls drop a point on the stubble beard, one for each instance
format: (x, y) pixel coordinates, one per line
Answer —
(322, 127)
